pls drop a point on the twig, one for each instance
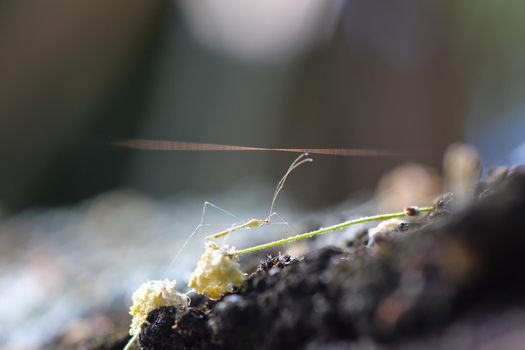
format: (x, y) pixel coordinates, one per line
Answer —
(330, 228)
(131, 342)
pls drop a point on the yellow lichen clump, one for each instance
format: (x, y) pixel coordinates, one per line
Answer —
(150, 296)
(217, 272)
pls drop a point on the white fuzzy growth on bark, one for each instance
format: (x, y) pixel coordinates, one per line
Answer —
(150, 296)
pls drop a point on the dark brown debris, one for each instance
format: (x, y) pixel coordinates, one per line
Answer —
(453, 280)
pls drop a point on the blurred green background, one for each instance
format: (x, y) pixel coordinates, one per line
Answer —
(403, 75)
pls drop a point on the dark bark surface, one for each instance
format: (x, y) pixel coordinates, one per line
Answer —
(452, 280)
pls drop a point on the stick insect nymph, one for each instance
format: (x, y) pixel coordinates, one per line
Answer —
(254, 223)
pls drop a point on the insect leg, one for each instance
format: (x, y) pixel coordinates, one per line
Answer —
(282, 222)
(198, 229)
(218, 208)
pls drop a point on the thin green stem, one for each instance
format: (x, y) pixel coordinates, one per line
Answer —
(131, 342)
(330, 228)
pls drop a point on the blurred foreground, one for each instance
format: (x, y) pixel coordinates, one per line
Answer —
(60, 267)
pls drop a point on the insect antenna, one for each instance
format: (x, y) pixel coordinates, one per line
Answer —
(297, 162)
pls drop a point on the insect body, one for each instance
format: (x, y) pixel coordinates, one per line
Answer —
(253, 223)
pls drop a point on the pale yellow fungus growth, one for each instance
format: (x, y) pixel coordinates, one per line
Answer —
(217, 272)
(150, 296)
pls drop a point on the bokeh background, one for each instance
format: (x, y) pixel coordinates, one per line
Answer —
(84, 222)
